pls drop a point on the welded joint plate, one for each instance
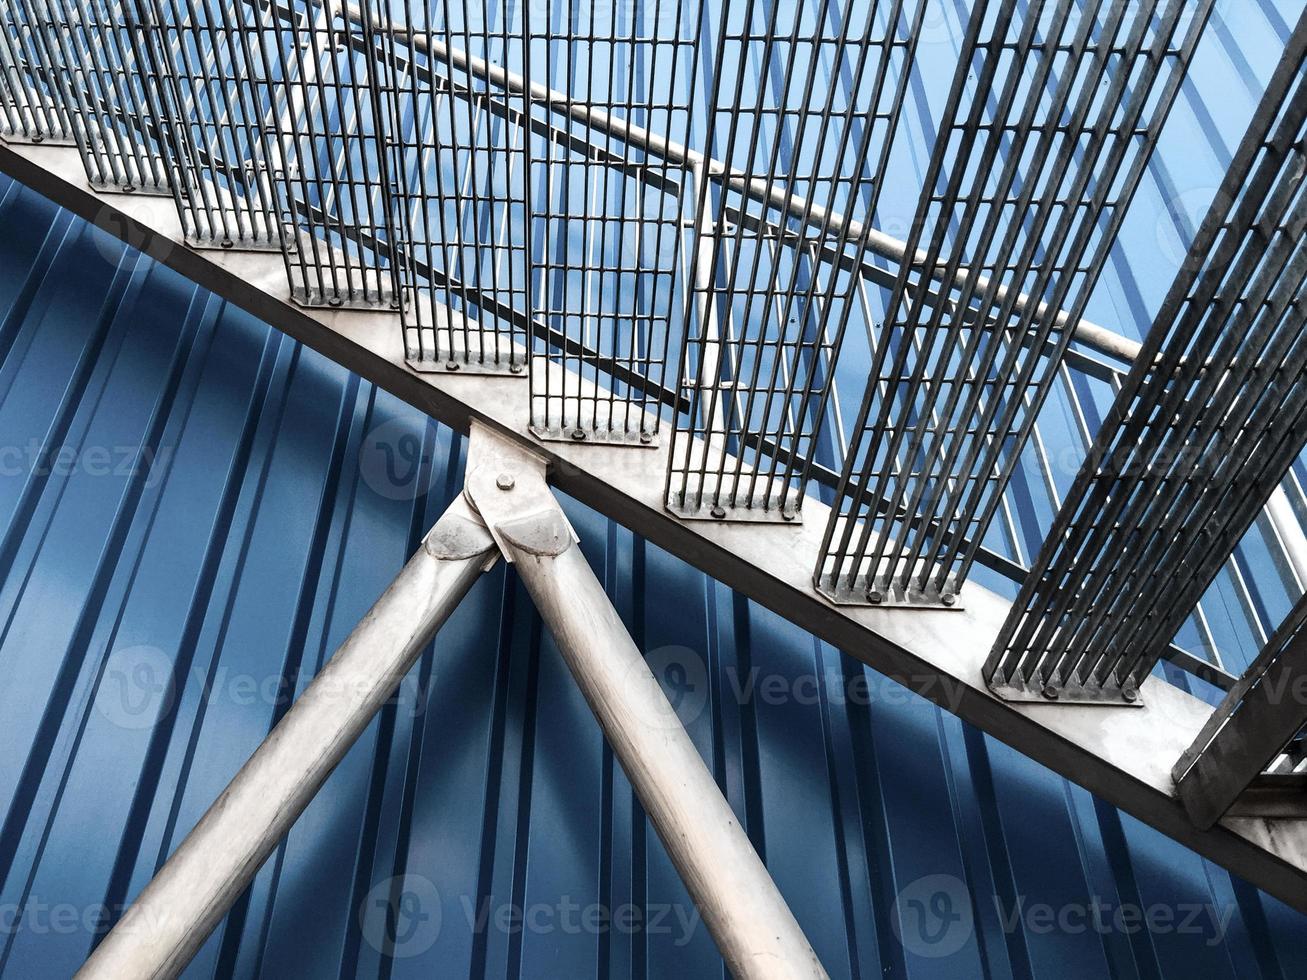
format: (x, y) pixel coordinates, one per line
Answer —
(892, 596)
(145, 190)
(599, 436)
(725, 513)
(315, 301)
(42, 140)
(1080, 694)
(505, 484)
(460, 534)
(456, 364)
(216, 243)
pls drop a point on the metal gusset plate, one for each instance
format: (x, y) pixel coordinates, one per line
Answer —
(214, 109)
(801, 124)
(1208, 422)
(1051, 120)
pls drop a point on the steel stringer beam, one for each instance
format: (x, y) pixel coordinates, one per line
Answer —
(1258, 718)
(1122, 754)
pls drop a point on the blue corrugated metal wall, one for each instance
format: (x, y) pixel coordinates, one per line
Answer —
(194, 510)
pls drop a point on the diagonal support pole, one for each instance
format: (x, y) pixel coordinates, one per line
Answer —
(191, 893)
(755, 930)
(506, 507)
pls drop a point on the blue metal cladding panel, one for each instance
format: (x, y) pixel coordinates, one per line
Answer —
(194, 510)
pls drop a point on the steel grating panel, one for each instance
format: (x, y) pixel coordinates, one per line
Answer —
(265, 527)
(371, 245)
(1256, 737)
(606, 224)
(778, 255)
(325, 142)
(1053, 114)
(93, 48)
(1207, 424)
(213, 103)
(400, 154)
(30, 106)
(458, 173)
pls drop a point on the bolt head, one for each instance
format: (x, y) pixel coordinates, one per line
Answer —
(451, 365)
(718, 511)
(948, 598)
(578, 434)
(227, 243)
(505, 481)
(1130, 693)
(875, 598)
(1050, 692)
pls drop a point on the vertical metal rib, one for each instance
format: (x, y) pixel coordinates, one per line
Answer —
(1053, 114)
(776, 276)
(1207, 424)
